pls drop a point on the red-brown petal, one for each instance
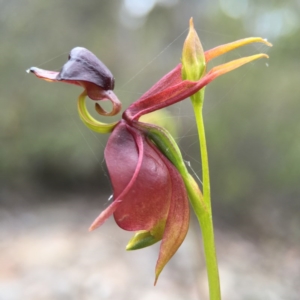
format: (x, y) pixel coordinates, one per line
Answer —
(148, 198)
(178, 219)
(164, 98)
(117, 200)
(171, 78)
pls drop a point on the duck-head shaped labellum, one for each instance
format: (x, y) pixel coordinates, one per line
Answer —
(84, 69)
(83, 65)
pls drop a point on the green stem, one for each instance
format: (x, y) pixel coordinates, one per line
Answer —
(205, 219)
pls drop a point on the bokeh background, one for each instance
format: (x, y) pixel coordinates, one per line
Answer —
(53, 180)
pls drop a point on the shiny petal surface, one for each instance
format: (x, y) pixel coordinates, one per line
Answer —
(178, 218)
(147, 201)
(163, 98)
(172, 78)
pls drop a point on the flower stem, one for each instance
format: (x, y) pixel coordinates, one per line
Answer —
(205, 219)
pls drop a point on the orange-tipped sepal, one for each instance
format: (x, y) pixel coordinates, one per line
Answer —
(230, 66)
(219, 50)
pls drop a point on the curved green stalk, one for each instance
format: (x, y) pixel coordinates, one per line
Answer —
(205, 220)
(88, 120)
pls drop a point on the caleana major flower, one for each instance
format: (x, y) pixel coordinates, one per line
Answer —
(151, 185)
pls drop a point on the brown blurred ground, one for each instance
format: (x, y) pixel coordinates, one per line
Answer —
(48, 254)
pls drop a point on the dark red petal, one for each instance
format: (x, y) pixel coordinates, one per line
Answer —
(117, 200)
(148, 198)
(178, 218)
(164, 98)
(172, 78)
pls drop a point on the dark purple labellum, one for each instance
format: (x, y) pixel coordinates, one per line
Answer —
(83, 65)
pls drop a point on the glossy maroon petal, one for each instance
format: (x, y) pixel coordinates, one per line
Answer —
(164, 98)
(118, 199)
(171, 78)
(148, 199)
(178, 218)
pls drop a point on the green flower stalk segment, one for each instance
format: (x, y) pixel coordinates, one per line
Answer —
(151, 184)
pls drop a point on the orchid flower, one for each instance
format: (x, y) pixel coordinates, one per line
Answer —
(151, 184)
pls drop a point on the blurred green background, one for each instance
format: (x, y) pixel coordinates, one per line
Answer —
(251, 114)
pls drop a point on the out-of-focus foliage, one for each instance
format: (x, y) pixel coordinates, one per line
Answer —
(251, 115)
